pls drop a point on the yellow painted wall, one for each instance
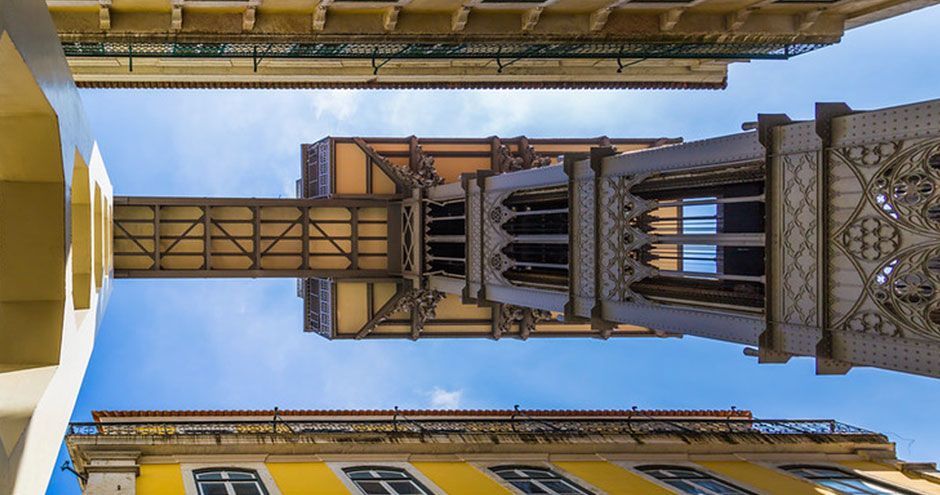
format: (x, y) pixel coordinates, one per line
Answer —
(891, 475)
(611, 478)
(459, 478)
(305, 478)
(765, 479)
(350, 169)
(160, 479)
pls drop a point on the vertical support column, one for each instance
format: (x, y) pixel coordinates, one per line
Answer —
(112, 473)
(597, 317)
(207, 237)
(354, 238)
(825, 363)
(156, 237)
(256, 239)
(305, 238)
(769, 350)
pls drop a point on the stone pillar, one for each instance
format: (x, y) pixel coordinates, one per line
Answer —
(112, 473)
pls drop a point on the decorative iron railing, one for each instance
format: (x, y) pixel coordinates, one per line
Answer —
(519, 425)
(504, 52)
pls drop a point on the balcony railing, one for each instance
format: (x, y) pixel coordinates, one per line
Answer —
(519, 425)
(383, 51)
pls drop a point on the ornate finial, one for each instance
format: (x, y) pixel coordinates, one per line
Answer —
(424, 175)
(526, 158)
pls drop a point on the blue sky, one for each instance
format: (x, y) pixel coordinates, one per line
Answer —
(201, 344)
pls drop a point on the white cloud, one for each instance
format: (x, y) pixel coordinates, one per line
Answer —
(445, 399)
(339, 104)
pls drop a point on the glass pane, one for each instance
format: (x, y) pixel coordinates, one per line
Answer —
(858, 486)
(842, 487)
(391, 474)
(685, 487)
(212, 489)
(372, 488)
(718, 486)
(538, 473)
(359, 475)
(404, 488)
(246, 488)
(699, 219)
(214, 475)
(528, 487)
(560, 487)
(236, 475)
(510, 474)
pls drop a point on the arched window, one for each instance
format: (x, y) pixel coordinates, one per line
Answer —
(537, 480)
(377, 480)
(843, 481)
(228, 482)
(692, 481)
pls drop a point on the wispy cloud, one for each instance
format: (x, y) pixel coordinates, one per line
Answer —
(445, 399)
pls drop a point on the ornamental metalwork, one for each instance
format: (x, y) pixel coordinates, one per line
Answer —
(889, 239)
(387, 50)
(421, 303)
(525, 158)
(521, 424)
(620, 261)
(422, 176)
(526, 318)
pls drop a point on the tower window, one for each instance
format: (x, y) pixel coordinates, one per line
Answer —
(537, 480)
(385, 481)
(229, 482)
(692, 481)
(842, 481)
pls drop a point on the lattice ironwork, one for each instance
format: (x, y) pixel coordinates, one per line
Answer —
(505, 52)
(519, 425)
(317, 294)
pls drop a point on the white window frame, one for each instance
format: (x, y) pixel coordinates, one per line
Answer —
(487, 469)
(385, 483)
(339, 469)
(779, 466)
(633, 467)
(537, 481)
(189, 469)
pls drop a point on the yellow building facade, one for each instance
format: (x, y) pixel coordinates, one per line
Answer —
(499, 452)
(677, 44)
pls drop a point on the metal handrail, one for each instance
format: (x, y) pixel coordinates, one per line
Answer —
(515, 425)
(464, 50)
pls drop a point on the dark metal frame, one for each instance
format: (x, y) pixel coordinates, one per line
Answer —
(260, 245)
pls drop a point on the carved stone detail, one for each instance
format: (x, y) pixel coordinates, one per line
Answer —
(883, 231)
(507, 161)
(527, 318)
(584, 204)
(871, 322)
(905, 289)
(799, 240)
(871, 238)
(495, 238)
(475, 230)
(421, 303)
(621, 240)
(423, 176)
(871, 155)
